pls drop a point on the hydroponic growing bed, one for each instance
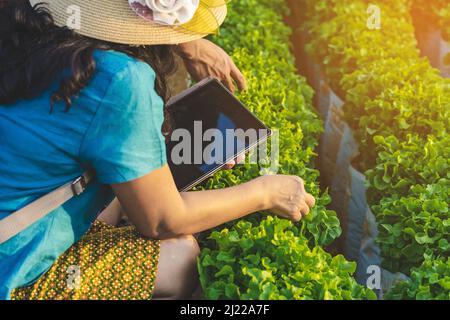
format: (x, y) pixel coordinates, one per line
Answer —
(270, 258)
(397, 109)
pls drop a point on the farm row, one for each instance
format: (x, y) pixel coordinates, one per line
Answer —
(267, 257)
(398, 107)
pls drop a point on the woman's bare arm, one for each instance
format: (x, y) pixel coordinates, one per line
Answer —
(159, 211)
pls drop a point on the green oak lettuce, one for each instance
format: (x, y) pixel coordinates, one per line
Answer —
(430, 281)
(401, 164)
(272, 262)
(413, 225)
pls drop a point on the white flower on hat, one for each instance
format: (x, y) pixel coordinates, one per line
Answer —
(168, 12)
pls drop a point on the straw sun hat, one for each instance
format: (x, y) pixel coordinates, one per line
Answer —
(116, 20)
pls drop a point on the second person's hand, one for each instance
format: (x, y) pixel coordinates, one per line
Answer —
(204, 59)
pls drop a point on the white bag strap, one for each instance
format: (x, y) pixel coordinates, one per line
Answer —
(25, 217)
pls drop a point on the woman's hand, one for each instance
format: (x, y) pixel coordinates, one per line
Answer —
(203, 59)
(239, 160)
(287, 197)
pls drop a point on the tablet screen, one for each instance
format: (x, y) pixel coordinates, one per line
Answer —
(210, 127)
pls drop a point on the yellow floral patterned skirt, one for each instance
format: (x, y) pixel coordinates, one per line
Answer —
(108, 263)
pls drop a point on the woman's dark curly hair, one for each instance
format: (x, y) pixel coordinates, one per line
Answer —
(34, 52)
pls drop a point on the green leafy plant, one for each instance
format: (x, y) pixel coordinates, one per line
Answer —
(431, 281)
(272, 261)
(412, 225)
(410, 188)
(391, 91)
(387, 102)
(401, 164)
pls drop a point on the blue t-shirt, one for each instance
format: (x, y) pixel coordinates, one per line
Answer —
(113, 126)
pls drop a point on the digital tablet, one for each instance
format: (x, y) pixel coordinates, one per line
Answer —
(209, 128)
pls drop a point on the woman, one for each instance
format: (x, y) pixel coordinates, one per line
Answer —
(92, 98)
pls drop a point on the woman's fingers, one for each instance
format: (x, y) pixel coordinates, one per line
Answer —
(230, 165)
(296, 217)
(237, 75)
(228, 82)
(205, 59)
(239, 160)
(310, 201)
(304, 209)
(306, 203)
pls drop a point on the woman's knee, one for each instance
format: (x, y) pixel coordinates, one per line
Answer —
(182, 251)
(191, 245)
(177, 275)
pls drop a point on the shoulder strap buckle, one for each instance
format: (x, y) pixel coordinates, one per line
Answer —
(79, 186)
